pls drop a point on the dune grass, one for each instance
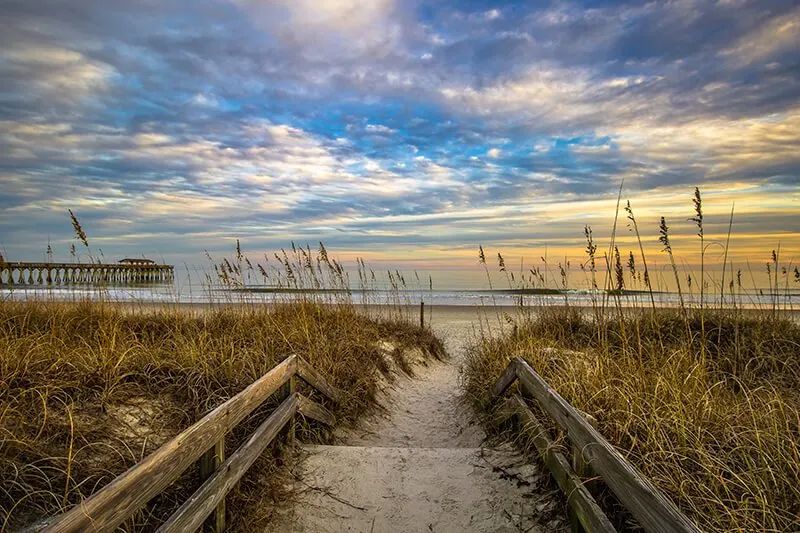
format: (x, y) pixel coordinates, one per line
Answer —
(89, 389)
(704, 400)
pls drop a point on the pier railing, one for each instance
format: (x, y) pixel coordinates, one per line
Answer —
(202, 443)
(22, 273)
(592, 456)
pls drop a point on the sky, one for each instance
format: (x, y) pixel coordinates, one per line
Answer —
(405, 132)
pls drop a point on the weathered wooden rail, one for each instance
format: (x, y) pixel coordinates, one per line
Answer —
(202, 443)
(21, 273)
(592, 456)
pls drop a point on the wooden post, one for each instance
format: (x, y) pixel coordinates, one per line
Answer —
(583, 471)
(208, 464)
(287, 389)
(421, 314)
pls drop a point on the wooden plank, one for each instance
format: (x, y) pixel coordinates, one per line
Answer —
(508, 377)
(581, 503)
(194, 511)
(654, 511)
(111, 505)
(218, 515)
(208, 464)
(315, 379)
(312, 409)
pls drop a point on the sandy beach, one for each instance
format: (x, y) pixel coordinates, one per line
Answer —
(423, 463)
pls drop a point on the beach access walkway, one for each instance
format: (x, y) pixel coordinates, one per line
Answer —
(422, 465)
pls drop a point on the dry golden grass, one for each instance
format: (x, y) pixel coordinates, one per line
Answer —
(87, 390)
(717, 432)
(703, 398)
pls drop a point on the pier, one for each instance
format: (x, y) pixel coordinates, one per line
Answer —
(23, 273)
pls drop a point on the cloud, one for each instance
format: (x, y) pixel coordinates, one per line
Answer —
(390, 124)
(726, 150)
(350, 15)
(775, 35)
(321, 28)
(43, 73)
(379, 129)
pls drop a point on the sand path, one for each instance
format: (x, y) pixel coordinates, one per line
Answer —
(424, 465)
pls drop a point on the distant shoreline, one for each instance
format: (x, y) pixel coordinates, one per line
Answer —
(523, 292)
(505, 300)
(439, 312)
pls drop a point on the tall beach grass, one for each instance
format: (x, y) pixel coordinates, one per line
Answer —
(89, 388)
(703, 397)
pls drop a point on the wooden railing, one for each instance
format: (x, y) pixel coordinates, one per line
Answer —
(204, 443)
(592, 455)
